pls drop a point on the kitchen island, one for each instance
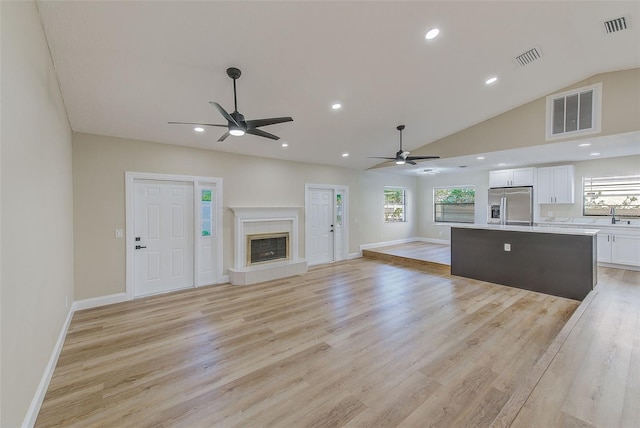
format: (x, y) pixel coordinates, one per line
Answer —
(560, 262)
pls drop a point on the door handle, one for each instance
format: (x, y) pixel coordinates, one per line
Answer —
(138, 247)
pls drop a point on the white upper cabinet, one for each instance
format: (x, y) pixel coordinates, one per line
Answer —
(555, 185)
(512, 177)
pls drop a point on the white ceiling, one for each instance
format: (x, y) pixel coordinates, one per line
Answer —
(127, 68)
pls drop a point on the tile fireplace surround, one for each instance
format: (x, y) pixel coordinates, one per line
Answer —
(265, 220)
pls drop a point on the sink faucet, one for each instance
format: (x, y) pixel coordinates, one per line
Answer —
(612, 211)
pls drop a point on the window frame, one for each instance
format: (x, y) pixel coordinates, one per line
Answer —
(460, 186)
(632, 180)
(385, 204)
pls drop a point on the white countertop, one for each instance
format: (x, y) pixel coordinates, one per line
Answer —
(533, 229)
(593, 223)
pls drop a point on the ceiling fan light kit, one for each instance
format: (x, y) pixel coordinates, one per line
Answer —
(236, 124)
(403, 157)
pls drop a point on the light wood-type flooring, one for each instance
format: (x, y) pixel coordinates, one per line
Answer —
(428, 257)
(356, 343)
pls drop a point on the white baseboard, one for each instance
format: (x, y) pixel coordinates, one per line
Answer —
(352, 256)
(34, 408)
(94, 302)
(403, 241)
(387, 243)
(434, 241)
(616, 266)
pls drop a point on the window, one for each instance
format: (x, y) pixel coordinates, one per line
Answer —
(394, 204)
(603, 193)
(206, 212)
(454, 204)
(573, 113)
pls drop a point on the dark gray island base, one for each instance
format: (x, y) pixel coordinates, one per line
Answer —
(556, 263)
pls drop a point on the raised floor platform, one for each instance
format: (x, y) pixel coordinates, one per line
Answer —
(424, 256)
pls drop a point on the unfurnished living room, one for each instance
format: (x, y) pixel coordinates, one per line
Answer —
(320, 213)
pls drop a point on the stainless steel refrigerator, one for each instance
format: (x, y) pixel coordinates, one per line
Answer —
(511, 205)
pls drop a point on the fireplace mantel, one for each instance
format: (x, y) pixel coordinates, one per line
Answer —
(251, 220)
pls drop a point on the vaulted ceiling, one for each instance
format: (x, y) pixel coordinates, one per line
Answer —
(127, 68)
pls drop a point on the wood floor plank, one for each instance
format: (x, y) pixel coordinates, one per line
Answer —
(355, 343)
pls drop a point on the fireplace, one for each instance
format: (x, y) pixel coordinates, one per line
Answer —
(265, 244)
(267, 247)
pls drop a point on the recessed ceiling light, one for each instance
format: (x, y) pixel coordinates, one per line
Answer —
(345, 155)
(491, 80)
(584, 145)
(594, 154)
(285, 145)
(336, 106)
(432, 34)
(480, 157)
(198, 129)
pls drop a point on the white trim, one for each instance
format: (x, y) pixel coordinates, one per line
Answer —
(38, 398)
(617, 266)
(336, 188)
(387, 243)
(434, 241)
(596, 113)
(352, 256)
(403, 241)
(95, 302)
(197, 181)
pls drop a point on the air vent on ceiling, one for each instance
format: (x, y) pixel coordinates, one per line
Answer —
(528, 57)
(615, 25)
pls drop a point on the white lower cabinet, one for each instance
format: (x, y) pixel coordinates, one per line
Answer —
(618, 248)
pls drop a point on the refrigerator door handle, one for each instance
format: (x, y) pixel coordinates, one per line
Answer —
(503, 210)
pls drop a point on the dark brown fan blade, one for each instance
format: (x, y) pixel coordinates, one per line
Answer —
(224, 136)
(260, 133)
(422, 157)
(201, 124)
(379, 157)
(251, 124)
(410, 162)
(223, 112)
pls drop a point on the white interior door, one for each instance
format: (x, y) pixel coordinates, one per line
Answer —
(321, 218)
(163, 230)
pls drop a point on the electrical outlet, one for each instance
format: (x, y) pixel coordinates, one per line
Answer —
(507, 247)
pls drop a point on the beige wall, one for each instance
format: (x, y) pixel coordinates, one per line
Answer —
(99, 164)
(37, 209)
(593, 168)
(524, 126)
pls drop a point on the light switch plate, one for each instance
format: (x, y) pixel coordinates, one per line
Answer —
(507, 247)
(118, 233)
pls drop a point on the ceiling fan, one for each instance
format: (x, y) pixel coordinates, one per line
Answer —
(237, 125)
(403, 157)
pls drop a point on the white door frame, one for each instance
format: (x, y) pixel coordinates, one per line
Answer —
(214, 182)
(340, 252)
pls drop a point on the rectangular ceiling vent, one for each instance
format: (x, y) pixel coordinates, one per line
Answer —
(528, 57)
(615, 25)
